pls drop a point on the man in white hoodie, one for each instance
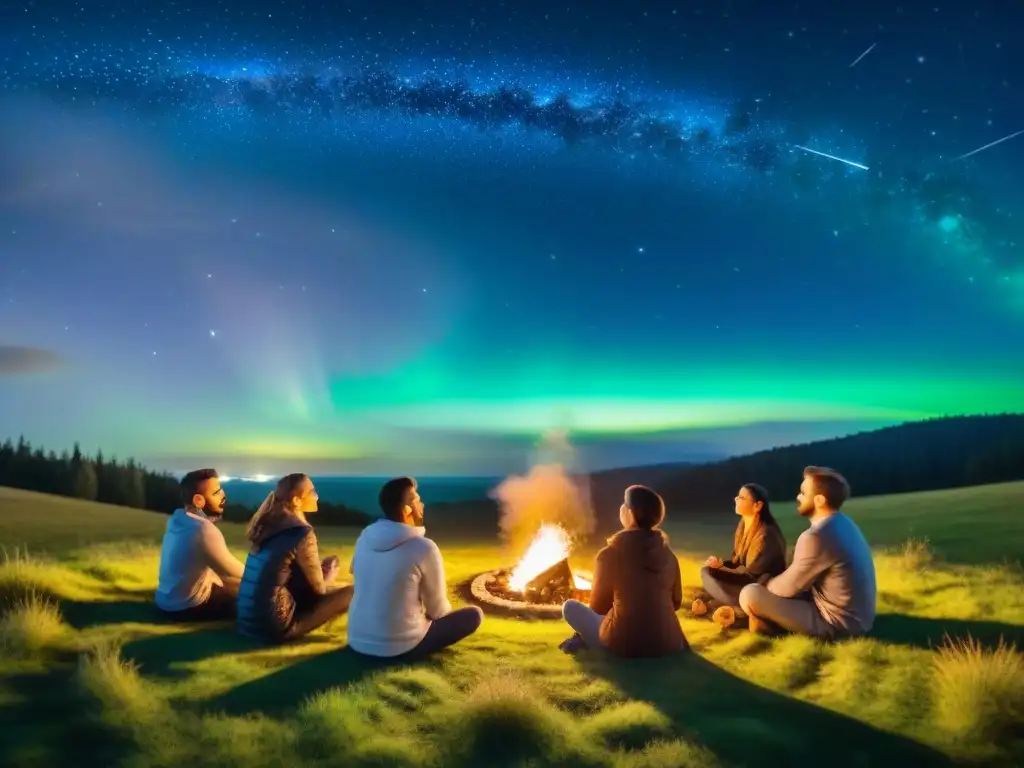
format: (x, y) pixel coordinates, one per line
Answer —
(400, 605)
(199, 576)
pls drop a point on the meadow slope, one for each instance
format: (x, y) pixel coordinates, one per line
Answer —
(89, 675)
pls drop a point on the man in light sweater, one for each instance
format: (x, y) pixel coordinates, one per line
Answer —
(400, 604)
(199, 576)
(832, 561)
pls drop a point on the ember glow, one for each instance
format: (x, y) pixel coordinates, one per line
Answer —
(550, 545)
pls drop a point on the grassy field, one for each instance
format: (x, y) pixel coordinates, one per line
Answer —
(89, 675)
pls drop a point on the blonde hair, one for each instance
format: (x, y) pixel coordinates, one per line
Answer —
(276, 505)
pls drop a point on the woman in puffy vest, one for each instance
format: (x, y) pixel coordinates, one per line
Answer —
(285, 592)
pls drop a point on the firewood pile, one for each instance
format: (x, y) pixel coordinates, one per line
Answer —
(553, 586)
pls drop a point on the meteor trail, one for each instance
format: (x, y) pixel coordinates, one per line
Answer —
(841, 160)
(991, 144)
(870, 48)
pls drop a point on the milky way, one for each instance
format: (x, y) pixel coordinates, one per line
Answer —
(706, 141)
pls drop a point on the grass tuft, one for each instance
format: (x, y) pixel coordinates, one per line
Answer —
(676, 753)
(505, 722)
(220, 740)
(915, 556)
(979, 692)
(32, 627)
(336, 725)
(117, 685)
(23, 577)
(630, 725)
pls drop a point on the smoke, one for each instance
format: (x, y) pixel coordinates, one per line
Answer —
(548, 493)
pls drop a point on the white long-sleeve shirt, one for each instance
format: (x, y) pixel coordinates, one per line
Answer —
(194, 557)
(399, 589)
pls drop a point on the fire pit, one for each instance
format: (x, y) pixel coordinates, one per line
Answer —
(539, 584)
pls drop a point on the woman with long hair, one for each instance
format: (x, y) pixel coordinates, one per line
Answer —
(285, 591)
(759, 550)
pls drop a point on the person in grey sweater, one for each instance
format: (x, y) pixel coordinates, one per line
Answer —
(829, 591)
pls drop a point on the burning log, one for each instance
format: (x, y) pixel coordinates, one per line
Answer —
(551, 585)
(543, 575)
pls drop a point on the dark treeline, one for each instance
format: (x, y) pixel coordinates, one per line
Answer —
(126, 484)
(925, 455)
(92, 478)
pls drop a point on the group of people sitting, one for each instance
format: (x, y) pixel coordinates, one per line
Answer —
(397, 606)
(398, 603)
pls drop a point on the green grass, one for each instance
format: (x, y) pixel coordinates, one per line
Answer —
(89, 675)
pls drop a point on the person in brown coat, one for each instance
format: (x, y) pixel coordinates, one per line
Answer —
(637, 588)
(759, 550)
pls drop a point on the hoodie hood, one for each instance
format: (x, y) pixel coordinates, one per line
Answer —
(647, 548)
(182, 520)
(384, 535)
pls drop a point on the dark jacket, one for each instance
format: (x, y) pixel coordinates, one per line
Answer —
(638, 587)
(758, 551)
(283, 577)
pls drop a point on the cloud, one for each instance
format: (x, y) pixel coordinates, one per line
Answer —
(20, 360)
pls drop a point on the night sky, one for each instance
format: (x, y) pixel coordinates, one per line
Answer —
(414, 237)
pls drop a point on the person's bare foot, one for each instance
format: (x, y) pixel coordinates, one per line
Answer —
(761, 627)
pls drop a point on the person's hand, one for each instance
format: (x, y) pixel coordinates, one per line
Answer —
(713, 562)
(330, 568)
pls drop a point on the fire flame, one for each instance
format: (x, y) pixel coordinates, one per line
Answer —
(550, 545)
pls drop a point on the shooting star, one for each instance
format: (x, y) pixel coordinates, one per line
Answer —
(869, 50)
(989, 145)
(833, 157)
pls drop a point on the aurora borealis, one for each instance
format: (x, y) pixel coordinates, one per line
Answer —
(264, 236)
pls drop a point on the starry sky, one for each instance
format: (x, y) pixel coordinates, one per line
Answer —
(416, 237)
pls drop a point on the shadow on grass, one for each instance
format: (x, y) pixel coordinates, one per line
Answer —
(902, 629)
(284, 690)
(158, 654)
(43, 724)
(84, 614)
(745, 724)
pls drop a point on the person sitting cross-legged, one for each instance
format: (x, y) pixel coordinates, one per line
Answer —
(400, 606)
(286, 590)
(637, 588)
(829, 591)
(199, 576)
(759, 550)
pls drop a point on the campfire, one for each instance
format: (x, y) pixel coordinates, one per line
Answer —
(543, 575)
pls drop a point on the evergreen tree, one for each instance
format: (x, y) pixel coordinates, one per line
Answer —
(7, 463)
(133, 487)
(86, 485)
